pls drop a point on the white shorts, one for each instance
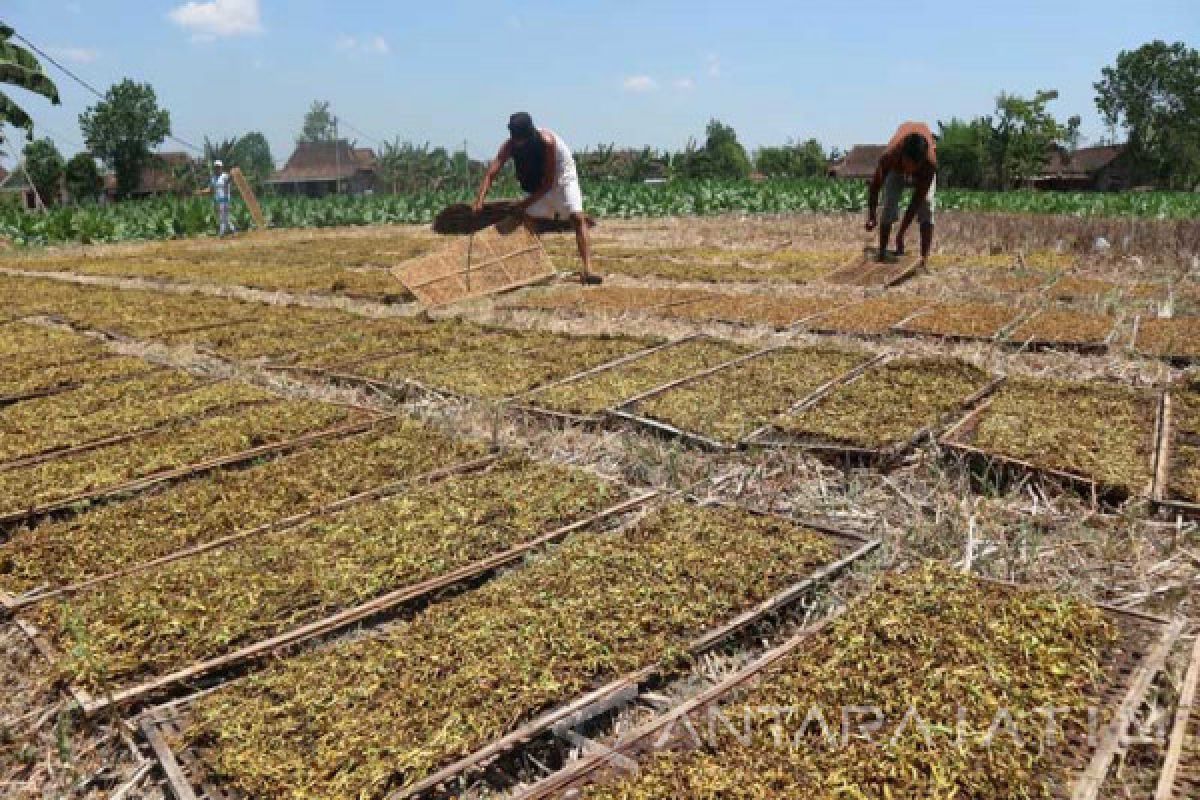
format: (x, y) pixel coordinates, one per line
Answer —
(893, 187)
(559, 203)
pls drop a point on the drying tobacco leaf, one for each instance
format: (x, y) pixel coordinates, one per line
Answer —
(607, 389)
(22, 338)
(869, 317)
(177, 445)
(1101, 432)
(965, 320)
(363, 718)
(32, 375)
(889, 404)
(730, 404)
(480, 362)
(1177, 337)
(150, 624)
(1077, 288)
(750, 309)
(789, 266)
(349, 265)
(604, 299)
(1016, 281)
(918, 651)
(67, 420)
(1056, 326)
(112, 537)
(1184, 473)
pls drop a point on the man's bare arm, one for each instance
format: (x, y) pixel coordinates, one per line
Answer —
(873, 194)
(493, 170)
(547, 178)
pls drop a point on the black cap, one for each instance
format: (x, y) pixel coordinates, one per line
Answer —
(520, 125)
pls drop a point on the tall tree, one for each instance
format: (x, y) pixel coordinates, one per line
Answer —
(44, 164)
(20, 68)
(123, 127)
(793, 160)
(82, 178)
(253, 154)
(962, 151)
(721, 157)
(319, 125)
(1021, 135)
(1154, 94)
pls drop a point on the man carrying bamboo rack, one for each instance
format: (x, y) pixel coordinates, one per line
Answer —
(911, 154)
(546, 171)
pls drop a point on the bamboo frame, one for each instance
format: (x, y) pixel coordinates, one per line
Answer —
(1053, 344)
(596, 767)
(12, 604)
(1167, 789)
(855, 548)
(141, 484)
(527, 403)
(881, 456)
(340, 620)
(955, 439)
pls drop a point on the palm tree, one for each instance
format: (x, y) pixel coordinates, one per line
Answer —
(20, 68)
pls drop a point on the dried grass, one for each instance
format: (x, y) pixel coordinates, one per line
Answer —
(965, 320)
(1061, 327)
(870, 317)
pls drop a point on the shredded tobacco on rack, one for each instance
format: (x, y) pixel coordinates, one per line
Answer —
(608, 388)
(64, 370)
(1056, 326)
(873, 316)
(1175, 337)
(889, 404)
(149, 624)
(730, 404)
(86, 415)
(362, 718)
(918, 651)
(177, 445)
(1184, 473)
(1104, 433)
(117, 536)
(750, 309)
(968, 320)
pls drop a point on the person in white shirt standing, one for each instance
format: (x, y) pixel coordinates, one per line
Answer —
(546, 171)
(218, 187)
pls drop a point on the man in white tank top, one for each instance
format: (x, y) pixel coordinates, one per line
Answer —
(546, 171)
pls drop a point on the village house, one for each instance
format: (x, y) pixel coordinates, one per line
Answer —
(1103, 168)
(316, 169)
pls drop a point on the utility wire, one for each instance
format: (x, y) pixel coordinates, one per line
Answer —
(371, 139)
(91, 88)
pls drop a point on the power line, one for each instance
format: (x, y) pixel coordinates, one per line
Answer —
(91, 88)
(371, 139)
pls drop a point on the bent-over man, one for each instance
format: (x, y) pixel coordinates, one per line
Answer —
(910, 155)
(546, 171)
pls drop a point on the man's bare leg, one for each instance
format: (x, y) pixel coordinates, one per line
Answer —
(885, 234)
(926, 241)
(579, 221)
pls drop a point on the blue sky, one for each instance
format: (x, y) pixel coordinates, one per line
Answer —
(633, 73)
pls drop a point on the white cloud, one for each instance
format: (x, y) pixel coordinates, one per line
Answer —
(640, 83)
(714, 66)
(218, 18)
(76, 55)
(685, 84)
(370, 45)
